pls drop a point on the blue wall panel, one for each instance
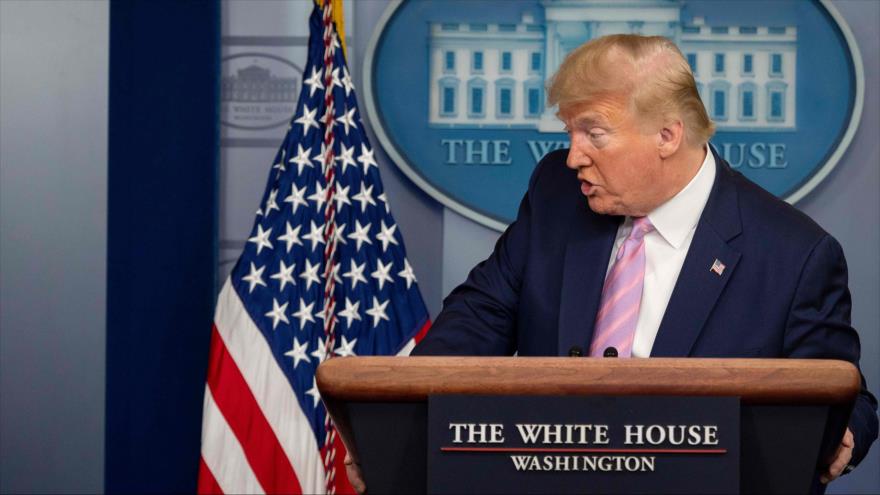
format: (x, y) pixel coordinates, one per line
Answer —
(163, 141)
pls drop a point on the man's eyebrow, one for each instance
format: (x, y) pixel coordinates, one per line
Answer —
(589, 119)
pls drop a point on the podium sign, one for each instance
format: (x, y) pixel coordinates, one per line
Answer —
(542, 444)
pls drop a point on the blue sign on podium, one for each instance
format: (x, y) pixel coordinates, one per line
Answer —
(583, 444)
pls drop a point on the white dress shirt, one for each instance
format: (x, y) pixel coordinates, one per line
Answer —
(666, 247)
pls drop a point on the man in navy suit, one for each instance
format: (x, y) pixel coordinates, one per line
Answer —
(720, 267)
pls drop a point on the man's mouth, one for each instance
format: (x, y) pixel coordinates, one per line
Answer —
(586, 187)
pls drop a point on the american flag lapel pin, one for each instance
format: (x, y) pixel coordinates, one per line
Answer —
(717, 267)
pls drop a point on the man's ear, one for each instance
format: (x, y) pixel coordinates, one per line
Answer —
(670, 138)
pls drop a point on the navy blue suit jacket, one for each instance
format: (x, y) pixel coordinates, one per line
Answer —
(783, 292)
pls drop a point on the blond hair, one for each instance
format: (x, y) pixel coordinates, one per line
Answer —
(650, 70)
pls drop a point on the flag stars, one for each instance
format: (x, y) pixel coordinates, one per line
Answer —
(315, 393)
(338, 234)
(307, 119)
(291, 236)
(360, 234)
(277, 313)
(378, 311)
(347, 82)
(348, 121)
(301, 159)
(314, 82)
(365, 197)
(407, 273)
(346, 348)
(381, 274)
(255, 277)
(271, 202)
(335, 273)
(284, 275)
(310, 274)
(350, 313)
(341, 196)
(386, 236)
(296, 197)
(262, 238)
(298, 352)
(319, 196)
(320, 352)
(280, 165)
(315, 235)
(304, 314)
(356, 274)
(384, 200)
(321, 157)
(298, 307)
(366, 158)
(346, 156)
(336, 82)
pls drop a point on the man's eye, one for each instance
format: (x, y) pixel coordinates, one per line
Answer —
(597, 135)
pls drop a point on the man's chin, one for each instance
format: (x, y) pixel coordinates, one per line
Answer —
(601, 207)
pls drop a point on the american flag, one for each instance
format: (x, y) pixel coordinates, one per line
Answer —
(323, 274)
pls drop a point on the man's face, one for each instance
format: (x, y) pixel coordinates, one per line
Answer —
(616, 157)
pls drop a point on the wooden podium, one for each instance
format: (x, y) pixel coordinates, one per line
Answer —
(793, 411)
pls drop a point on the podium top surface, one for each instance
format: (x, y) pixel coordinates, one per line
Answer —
(755, 381)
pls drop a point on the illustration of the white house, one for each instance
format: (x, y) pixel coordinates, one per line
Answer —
(492, 75)
(257, 84)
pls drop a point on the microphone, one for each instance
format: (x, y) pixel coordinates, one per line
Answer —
(575, 351)
(610, 352)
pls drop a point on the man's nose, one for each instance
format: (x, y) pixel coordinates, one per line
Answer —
(577, 159)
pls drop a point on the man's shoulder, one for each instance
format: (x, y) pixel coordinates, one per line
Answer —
(771, 219)
(551, 172)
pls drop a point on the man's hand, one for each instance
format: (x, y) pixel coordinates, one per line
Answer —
(841, 458)
(353, 470)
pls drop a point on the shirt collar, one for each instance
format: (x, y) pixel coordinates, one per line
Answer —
(675, 218)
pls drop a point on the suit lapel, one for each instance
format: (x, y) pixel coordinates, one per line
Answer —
(699, 286)
(583, 273)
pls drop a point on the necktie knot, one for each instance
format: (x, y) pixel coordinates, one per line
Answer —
(641, 227)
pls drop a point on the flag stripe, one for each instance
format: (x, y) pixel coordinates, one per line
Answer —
(222, 454)
(248, 347)
(411, 343)
(423, 331)
(237, 403)
(207, 484)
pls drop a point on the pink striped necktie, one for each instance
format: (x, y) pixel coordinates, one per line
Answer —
(622, 295)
